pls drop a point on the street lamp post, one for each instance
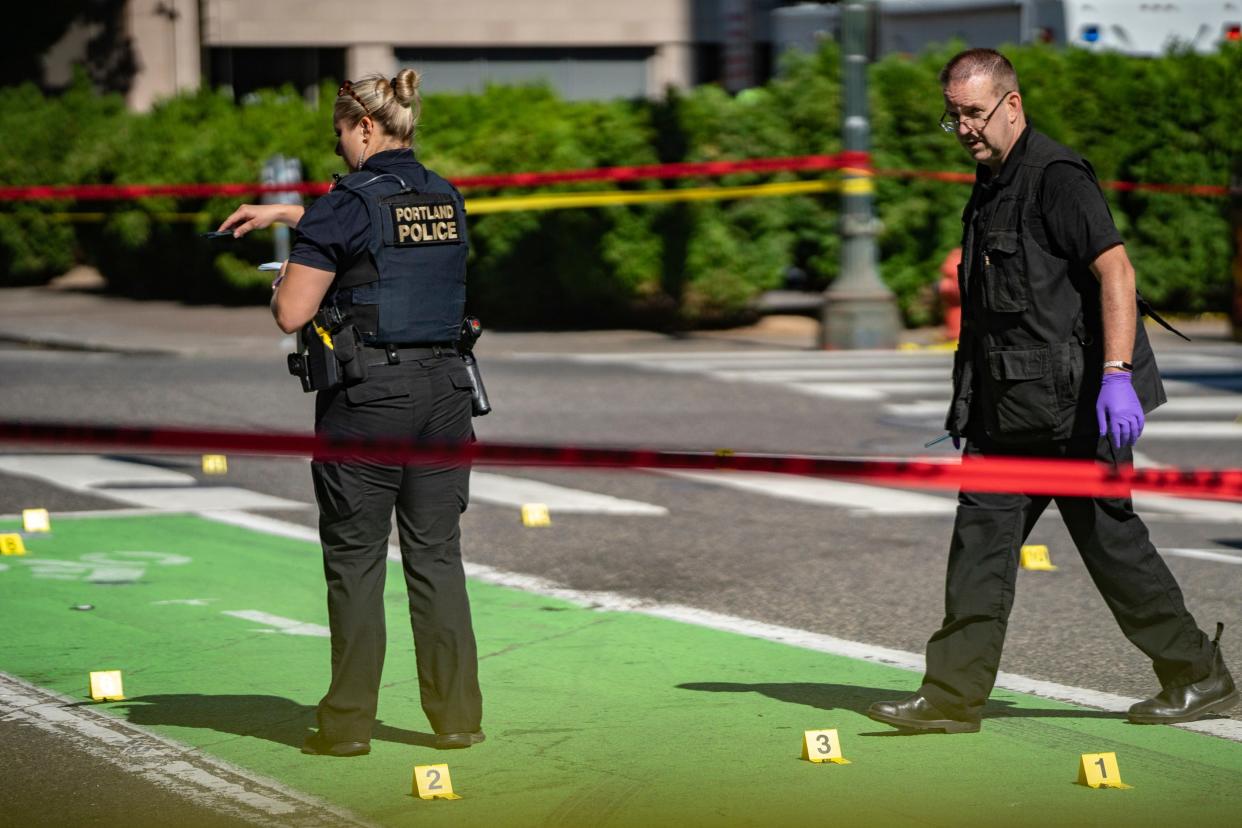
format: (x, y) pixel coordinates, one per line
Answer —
(859, 311)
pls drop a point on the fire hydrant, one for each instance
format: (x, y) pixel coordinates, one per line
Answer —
(950, 295)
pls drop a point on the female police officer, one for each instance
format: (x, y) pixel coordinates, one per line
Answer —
(386, 250)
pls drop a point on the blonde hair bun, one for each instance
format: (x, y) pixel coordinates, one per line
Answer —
(405, 86)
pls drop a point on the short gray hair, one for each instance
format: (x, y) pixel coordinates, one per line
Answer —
(987, 62)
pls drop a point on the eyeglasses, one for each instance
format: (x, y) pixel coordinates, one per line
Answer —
(951, 123)
(347, 88)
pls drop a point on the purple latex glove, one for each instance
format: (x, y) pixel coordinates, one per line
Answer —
(1118, 410)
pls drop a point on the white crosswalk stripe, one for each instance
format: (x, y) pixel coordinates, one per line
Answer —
(910, 387)
(1203, 386)
(502, 490)
(165, 489)
(913, 387)
(857, 497)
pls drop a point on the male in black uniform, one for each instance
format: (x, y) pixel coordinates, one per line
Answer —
(1051, 364)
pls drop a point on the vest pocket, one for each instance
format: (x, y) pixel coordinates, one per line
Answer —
(1021, 390)
(1004, 276)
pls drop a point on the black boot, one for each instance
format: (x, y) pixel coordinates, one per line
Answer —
(1215, 693)
(917, 713)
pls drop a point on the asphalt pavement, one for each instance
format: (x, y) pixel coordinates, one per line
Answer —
(799, 560)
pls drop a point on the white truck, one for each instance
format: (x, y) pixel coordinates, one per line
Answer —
(1133, 27)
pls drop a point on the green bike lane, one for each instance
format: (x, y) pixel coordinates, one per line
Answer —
(602, 717)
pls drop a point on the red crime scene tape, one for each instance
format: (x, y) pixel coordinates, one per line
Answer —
(1073, 478)
(703, 169)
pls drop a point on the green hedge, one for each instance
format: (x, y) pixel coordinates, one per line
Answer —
(1174, 119)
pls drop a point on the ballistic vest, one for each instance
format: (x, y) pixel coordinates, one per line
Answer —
(409, 287)
(1030, 357)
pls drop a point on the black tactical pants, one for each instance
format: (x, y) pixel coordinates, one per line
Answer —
(964, 655)
(427, 399)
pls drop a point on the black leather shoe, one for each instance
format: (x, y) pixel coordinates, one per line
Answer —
(316, 746)
(1215, 693)
(456, 741)
(917, 713)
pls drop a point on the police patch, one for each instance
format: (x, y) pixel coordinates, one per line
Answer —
(422, 218)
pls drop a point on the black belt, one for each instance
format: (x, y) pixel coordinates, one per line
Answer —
(393, 353)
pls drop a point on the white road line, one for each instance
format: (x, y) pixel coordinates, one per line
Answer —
(919, 408)
(1168, 359)
(859, 498)
(777, 364)
(867, 391)
(1189, 509)
(866, 376)
(87, 472)
(515, 491)
(183, 770)
(1204, 555)
(628, 357)
(277, 623)
(1221, 382)
(1192, 430)
(137, 484)
(143, 485)
(94, 513)
(1218, 404)
(198, 498)
(616, 602)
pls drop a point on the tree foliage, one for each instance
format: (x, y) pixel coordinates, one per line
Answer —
(1174, 119)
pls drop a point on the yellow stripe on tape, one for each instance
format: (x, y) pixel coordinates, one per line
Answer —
(561, 201)
(857, 186)
(611, 198)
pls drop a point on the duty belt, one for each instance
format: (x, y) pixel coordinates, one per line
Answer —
(393, 353)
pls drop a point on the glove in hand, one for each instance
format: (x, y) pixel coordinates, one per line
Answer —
(1118, 410)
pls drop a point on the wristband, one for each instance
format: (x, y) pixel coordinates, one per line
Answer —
(1116, 363)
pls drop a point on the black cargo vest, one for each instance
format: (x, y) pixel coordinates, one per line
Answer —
(410, 285)
(1031, 353)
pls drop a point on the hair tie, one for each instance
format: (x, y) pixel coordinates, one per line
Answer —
(393, 82)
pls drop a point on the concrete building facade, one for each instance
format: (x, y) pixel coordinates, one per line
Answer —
(584, 49)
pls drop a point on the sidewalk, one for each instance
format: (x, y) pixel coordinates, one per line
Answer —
(82, 317)
(73, 313)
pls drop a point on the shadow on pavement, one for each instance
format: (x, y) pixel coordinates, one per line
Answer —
(858, 699)
(274, 718)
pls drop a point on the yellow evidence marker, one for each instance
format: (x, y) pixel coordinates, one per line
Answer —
(822, 746)
(1036, 558)
(11, 544)
(106, 685)
(536, 514)
(433, 782)
(215, 464)
(1099, 770)
(36, 520)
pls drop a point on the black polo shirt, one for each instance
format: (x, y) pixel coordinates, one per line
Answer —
(1073, 221)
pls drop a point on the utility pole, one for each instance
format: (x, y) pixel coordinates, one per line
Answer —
(859, 310)
(281, 170)
(1235, 214)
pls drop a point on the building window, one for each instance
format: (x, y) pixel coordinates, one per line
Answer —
(245, 70)
(574, 73)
